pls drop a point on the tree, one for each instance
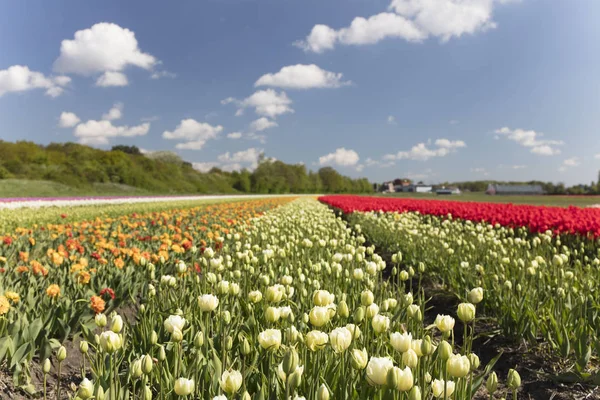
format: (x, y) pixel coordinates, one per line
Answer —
(126, 149)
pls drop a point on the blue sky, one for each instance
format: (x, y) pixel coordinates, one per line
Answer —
(431, 89)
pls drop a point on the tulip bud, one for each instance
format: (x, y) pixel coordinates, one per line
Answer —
(466, 312)
(392, 377)
(176, 335)
(100, 393)
(426, 346)
(46, 366)
(116, 324)
(323, 393)
(228, 343)
(246, 349)
(343, 309)
(474, 360)
(290, 361)
(226, 316)
(61, 354)
(246, 396)
(153, 337)
(135, 369)
(476, 295)
(147, 393)
(492, 383)
(367, 298)
(199, 339)
(359, 315)
(147, 364)
(162, 355)
(100, 320)
(83, 347)
(359, 359)
(415, 393)
(295, 379)
(444, 350)
(86, 389)
(513, 380)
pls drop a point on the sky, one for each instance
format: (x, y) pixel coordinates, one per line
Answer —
(433, 90)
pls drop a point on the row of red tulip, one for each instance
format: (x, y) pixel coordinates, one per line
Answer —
(573, 220)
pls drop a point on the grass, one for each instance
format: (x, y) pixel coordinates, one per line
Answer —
(35, 188)
(558, 201)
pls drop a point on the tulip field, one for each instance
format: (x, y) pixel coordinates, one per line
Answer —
(298, 298)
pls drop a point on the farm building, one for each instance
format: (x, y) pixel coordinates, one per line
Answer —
(495, 189)
(418, 188)
(449, 190)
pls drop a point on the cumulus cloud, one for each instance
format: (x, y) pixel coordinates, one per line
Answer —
(532, 140)
(204, 166)
(68, 119)
(262, 124)
(194, 133)
(391, 120)
(234, 135)
(268, 103)
(19, 78)
(111, 78)
(235, 161)
(302, 77)
(116, 112)
(569, 163)
(411, 20)
(422, 152)
(99, 132)
(105, 48)
(341, 157)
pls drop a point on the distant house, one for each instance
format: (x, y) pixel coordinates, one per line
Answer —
(495, 189)
(448, 191)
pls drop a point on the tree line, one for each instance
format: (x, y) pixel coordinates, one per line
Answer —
(80, 166)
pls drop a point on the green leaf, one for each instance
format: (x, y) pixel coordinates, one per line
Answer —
(19, 354)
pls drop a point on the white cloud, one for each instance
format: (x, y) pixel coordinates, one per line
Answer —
(163, 74)
(99, 132)
(480, 170)
(261, 124)
(369, 162)
(453, 121)
(597, 156)
(569, 163)
(248, 158)
(19, 78)
(68, 119)
(450, 144)
(360, 32)
(194, 133)
(359, 167)
(301, 76)
(340, 157)
(254, 136)
(116, 112)
(391, 120)
(532, 140)
(267, 103)
(422, 152)
(411, 20)
(105, 48)
(111, 78)
(204, 166)
(234, 135)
